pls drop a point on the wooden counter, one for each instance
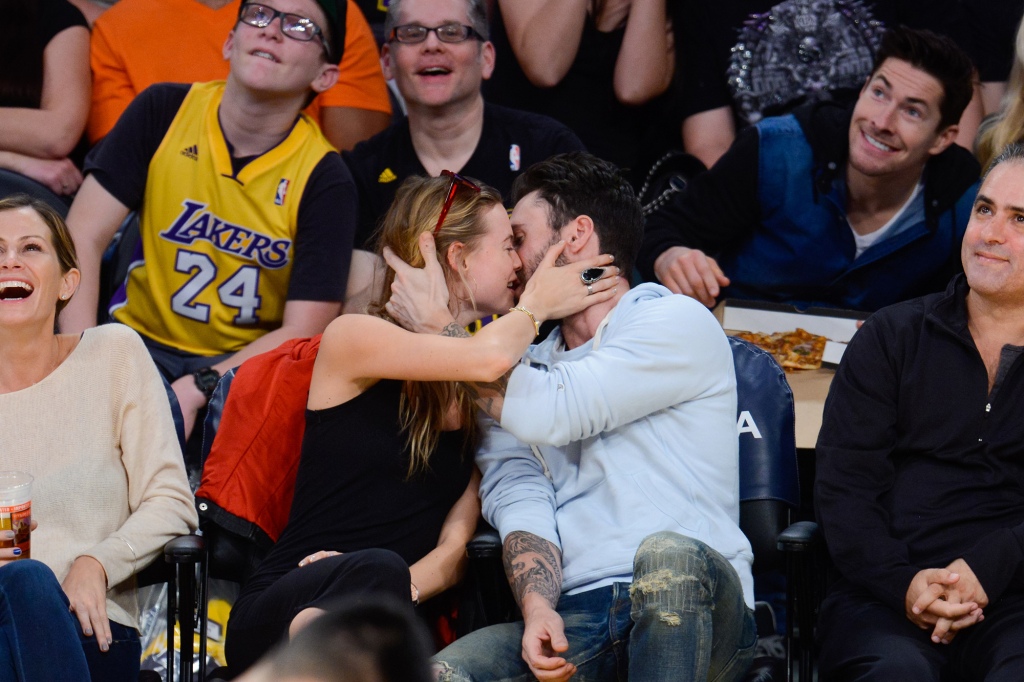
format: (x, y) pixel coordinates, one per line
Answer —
(810, 388)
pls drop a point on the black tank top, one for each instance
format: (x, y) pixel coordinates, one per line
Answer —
(351, 490)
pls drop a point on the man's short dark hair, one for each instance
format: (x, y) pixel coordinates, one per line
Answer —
(578, 183)
(939, 57)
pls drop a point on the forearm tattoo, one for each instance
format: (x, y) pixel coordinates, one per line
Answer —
(490, 396)
(456, 330)
(532, 564)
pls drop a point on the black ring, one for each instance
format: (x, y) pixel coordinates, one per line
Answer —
(591, 275)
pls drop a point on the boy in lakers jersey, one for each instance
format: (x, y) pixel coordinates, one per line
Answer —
(246, 212)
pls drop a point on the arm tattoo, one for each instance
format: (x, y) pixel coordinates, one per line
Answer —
(490, 396)
(454, 329)
(532, 564)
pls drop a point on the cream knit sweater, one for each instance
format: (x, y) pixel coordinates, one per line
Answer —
(110, 483)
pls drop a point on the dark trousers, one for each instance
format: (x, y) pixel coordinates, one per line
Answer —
(40, 639)
(262, 614)
(863, 639)
(174, 363)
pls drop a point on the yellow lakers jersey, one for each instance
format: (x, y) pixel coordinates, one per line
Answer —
(216, 247)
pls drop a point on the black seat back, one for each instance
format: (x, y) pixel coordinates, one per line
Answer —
(769, 484)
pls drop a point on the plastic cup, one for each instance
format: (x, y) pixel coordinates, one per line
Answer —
(16, 510)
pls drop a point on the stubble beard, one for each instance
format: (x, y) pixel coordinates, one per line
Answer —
(527, 271)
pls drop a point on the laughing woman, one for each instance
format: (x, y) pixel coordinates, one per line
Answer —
(88, 417)
(386, 494)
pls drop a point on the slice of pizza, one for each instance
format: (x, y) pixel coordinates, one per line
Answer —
(801, 350)
(766, 342)
(793, 350)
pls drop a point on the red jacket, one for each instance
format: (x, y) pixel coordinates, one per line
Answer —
(250, 471)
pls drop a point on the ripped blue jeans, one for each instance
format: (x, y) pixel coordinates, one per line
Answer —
(682, 618)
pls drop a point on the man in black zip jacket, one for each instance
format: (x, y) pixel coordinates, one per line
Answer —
(920, 477)
(827, 206)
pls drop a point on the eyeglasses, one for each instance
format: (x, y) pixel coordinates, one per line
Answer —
(446, 33)
(453, 188)
(295, 26)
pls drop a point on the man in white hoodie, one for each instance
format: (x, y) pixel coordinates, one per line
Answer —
(613, 478)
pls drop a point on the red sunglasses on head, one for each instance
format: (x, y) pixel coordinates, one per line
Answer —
(456, 182)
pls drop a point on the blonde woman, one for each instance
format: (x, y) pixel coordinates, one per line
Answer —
(1008, 126)
(386, 493)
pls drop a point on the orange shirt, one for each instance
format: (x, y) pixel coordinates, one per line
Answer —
(137, 43)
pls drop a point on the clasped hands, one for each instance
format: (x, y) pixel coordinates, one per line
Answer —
(946, 599)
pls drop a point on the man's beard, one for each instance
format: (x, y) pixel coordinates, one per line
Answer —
(526, 272)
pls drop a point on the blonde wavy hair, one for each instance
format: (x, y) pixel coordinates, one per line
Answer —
(417, 205)
(1009, 125)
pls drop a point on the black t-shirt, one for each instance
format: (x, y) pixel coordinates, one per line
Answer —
(985, 29)
(706, 33)
(22, 85)
(52, 17)
(56, 16)
(510, 142)
(327, 211)
(765, 57)
(585, 98)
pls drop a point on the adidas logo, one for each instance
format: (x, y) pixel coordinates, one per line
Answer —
(191, 152)
(387, 176)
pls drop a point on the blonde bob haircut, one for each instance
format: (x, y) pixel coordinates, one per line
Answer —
(415, 210)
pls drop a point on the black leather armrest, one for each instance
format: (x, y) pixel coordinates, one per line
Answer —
(185, 549)
(486, 544)
(801, 536)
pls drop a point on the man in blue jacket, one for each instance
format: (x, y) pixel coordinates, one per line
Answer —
(613, 477)
(920, 470)
(826, 206)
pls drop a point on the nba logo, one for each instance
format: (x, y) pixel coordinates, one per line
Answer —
(514, 160)
(282, 192)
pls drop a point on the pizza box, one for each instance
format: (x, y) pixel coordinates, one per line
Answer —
(835, 324)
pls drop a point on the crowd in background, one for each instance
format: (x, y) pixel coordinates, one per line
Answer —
(83, 113)
(630, 78)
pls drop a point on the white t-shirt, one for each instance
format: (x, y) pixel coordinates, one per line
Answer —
(864, 241)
